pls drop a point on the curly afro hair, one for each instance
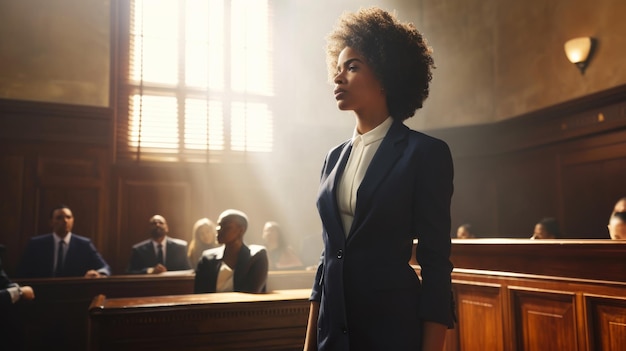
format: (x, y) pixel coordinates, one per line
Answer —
(397, 53)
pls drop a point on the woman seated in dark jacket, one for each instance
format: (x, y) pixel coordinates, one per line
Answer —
(233, 266)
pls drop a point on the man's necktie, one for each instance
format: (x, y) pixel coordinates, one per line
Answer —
(59, 267)
(160, 254)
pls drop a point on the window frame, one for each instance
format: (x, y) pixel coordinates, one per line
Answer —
(123, 89)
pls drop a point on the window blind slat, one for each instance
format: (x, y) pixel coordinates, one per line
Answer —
(185, 102)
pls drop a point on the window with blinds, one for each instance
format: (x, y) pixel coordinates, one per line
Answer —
(196, 80)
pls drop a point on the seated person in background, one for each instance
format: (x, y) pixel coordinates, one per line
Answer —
(204, 237)
(281, 255)
(465, 231)
(11, 292)
(311, 247)
(617, 226)
(11, 334)
(160, 253)
(620, 206)
(547, 228)
(61, 253)
(234, 266)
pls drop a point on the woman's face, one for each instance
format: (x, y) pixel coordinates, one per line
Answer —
(207, 234)
(356, 86)
(228, 230)
(270, 237)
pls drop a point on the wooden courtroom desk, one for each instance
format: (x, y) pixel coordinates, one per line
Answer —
(514, 294)
(58, 315)
(221, 321)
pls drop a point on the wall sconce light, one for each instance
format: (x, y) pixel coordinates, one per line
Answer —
(579, 50)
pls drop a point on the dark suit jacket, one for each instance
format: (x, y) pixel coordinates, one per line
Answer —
(370, 297)
(144, 257)
(250, 273)
(5, 283)
(38, 258)
(11, 332)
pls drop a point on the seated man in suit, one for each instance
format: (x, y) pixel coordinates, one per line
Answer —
(62, 253)
(617, 226)
(160, 253)
(233, 266)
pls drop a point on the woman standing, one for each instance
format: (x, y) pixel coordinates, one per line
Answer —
(380, 190)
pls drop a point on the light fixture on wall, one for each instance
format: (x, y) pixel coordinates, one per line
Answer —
(579, 50)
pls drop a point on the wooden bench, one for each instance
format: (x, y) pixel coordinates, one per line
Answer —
(221, 321)
(59, 314)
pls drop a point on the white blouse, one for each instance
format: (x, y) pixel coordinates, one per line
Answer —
(225, 279)
(364, 146)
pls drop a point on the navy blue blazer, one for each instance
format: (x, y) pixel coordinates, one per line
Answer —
(250, 272)
(370, 297)
(38, 258)
(143, 256)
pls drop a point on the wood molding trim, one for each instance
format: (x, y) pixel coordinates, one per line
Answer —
(588, 115)
(43, 122)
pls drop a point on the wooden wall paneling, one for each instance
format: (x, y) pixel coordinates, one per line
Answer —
(138, 201)
(592, 180)
(76, 177)
(527, 191)
(544, 319)
(42, 122)
(475, 183)
(83, 201)
(524, 152)
(11, 207)
(480, 316)
(606, 320)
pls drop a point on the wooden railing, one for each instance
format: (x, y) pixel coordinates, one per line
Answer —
(221, 321)
(58, 315)
(511, 294)
(539, 295)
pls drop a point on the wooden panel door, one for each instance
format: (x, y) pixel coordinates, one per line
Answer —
(606, 318)
(479, 312)
(544, 320)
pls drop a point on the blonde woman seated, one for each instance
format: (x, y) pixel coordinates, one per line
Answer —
(204, 237)
(281, 255)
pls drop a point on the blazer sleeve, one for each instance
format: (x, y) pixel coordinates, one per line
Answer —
(202, 281)
(256, 277)
(97, 261)
(136, 265)
(432, 223)
(181, 261)
(5, 284)
(316, 292)
(26, 268)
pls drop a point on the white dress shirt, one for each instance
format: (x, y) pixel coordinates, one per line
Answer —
(225, 281)
(364, 146)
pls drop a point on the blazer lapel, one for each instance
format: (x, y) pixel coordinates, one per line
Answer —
(328, 193)
(388, 153)
(48, 255)
(243, 264)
